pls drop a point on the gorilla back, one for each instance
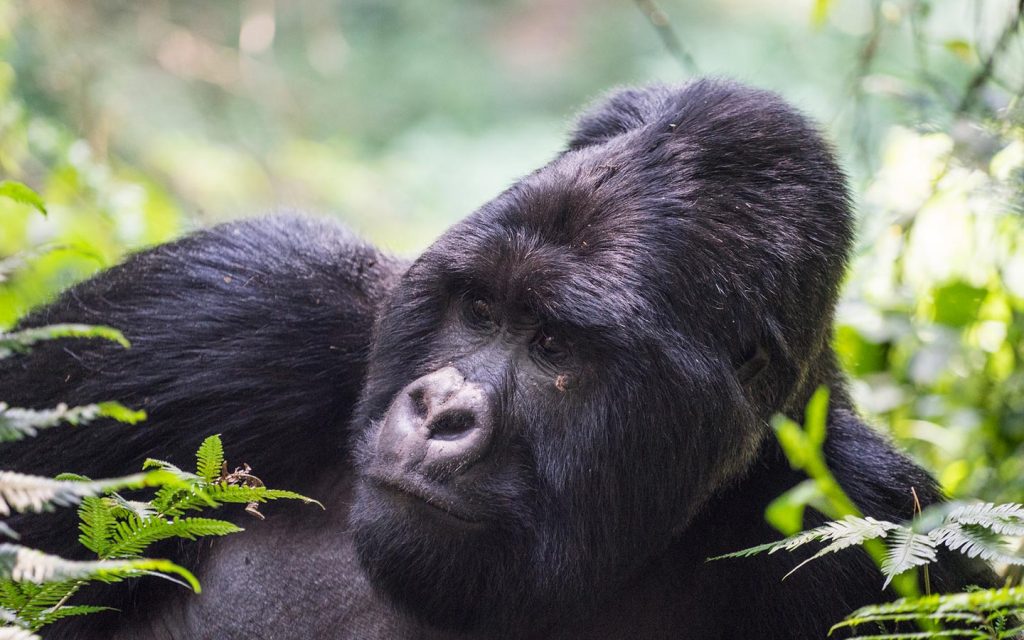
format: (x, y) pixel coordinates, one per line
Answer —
(563, 402)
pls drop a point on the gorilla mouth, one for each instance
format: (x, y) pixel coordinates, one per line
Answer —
(422, 497)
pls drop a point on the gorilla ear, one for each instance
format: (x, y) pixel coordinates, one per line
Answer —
(619, 113)
(753, 365)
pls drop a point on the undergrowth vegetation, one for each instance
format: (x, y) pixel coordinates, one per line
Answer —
(991, 532)
(37, 589)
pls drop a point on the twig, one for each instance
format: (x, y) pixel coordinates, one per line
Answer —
(865, 59)
(985, 72)
(659, 20)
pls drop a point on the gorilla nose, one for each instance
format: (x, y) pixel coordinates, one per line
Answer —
(438, 426)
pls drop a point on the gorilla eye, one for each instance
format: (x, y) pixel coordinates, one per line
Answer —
(549, 345)
(480, 311)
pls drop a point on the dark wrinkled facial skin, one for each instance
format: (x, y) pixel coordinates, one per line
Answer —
(565, 378)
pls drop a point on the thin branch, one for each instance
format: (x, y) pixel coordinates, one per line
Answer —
(673, 44)
(865, 59)
(985, 72)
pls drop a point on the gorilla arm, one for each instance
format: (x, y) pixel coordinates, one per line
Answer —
(257, 330)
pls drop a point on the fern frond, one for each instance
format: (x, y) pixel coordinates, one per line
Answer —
(16, 633)
(1014, 633)
(131, 536)
(991, 603)
(974, 541)
(30, 599)
(32, 603)
(22, 193)
(768, 547)
(66, 611)
(23, 493)
(851, 531)
(210, 459)
(176, 503)
(12, 597)
(123, 508)
(847, 532)
(19, 564)
(895, 618)
(96, 524)
(21, 341)
(1004, 519)
(153, 463)
(17, 424)
(926, 635)
(908, 550)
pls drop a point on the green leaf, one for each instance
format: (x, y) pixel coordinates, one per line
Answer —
(175, 502)
(793, 441)
(820, 11)
(1006, 602)
(21, 341)
(816, 417)
(786, 513)
(16, 423)
(119, 412)
(860, 355)
(23, 194)
(847, 532)
(974, 541)
(96, 524)
(1004, 519)
(210, 459)
(768, 547)
(908, 550)
(131, 536)
(20, 492)
(957, 304)
(34, 602)
(68, 611)
(22, 564)
(961, 49)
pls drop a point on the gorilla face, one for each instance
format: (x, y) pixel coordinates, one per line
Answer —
(566, 377)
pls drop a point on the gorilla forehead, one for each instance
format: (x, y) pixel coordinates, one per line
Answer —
(552, 248)
(727, 203)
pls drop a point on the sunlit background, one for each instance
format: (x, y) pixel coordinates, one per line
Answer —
(138, 120)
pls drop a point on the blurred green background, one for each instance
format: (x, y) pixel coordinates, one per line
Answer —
(139, 120)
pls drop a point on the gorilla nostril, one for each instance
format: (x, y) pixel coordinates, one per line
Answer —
(419, 402)
(452, 425)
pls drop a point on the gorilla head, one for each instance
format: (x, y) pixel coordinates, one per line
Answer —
(567, 376)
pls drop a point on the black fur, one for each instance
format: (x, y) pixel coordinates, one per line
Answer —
(688, 246)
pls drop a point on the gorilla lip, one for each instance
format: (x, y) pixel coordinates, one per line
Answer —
(419, 496)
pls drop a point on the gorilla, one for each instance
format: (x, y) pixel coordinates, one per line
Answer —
(540, 428)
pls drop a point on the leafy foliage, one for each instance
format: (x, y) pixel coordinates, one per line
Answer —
(975, 530)
(22, 492)
(35, 587)
(21, 341)
(16, 423)
(991, 614)
(21, 193)
(119, 531)
(932, 324)
(21, 564)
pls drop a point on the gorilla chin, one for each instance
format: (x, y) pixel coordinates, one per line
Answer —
(434, 517)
